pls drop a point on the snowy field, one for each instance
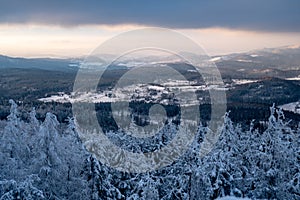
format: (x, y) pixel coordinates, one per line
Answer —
(292, 107)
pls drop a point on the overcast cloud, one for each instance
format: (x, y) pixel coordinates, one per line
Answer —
(264, 15)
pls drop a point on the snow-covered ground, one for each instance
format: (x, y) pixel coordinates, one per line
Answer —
(156, 93)
(243, 81)
(215, 59)
(293, 107)
(242, 60)
(294, 78)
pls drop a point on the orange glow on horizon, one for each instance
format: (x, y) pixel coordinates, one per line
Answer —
(32, 40)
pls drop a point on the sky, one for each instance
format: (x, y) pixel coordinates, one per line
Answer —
(60, 28)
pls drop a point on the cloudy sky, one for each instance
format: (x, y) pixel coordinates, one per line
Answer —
(61, 28)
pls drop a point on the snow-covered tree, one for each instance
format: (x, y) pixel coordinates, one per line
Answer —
(47, 160)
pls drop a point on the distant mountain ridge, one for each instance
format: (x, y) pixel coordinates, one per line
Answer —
(39, 63)
(281, 58)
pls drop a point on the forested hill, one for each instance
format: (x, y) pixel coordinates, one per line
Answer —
(46, 160)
